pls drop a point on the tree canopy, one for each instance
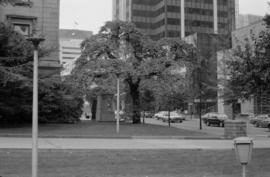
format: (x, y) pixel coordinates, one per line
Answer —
(249, 70)
(120, 49)
(16, 63)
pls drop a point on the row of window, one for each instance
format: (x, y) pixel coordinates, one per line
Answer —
(176, 9)
(147, 2)
(220, 2)
(175, 21)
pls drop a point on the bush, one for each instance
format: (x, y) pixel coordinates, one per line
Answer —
(59, 102)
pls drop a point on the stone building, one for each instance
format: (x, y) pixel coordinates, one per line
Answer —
(37, 17)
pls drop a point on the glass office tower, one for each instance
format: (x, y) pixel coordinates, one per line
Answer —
(162, 18)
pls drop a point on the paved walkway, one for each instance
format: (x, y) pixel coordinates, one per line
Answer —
(69, 143)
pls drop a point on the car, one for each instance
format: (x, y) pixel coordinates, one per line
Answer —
(260, 118)
(207, 115)
(147, 114)
(159, 115)
(174, 117)
(254, 119)
(265, 123)
(214, 118)
(248, 116)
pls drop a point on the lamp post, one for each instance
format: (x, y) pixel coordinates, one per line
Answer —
(35, 41)
(118, 103)
(243, 149)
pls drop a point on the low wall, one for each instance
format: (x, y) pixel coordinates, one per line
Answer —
(235, 128)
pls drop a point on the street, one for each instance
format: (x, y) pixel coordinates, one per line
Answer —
(193, 124)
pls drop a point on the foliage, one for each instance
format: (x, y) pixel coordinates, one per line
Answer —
(119, 49)
(59, 102)
(249, 70)
(16, 55)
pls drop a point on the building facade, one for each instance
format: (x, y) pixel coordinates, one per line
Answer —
(244, 20)
(37, 17)
(178, 18)
(70, 50)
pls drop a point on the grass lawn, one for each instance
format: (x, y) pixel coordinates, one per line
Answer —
(133, 163)
(101, 129)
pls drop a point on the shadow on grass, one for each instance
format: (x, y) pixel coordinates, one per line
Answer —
(89, 128)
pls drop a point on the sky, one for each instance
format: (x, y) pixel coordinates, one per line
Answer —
(92, 14)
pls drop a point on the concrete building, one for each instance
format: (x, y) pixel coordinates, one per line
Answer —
(37, 16)
(247, 19)
(70, 50)
(240, 37)
(178, 18)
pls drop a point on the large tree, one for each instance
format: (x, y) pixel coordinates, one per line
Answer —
(119, 49)
(249, 70)
(16, 56)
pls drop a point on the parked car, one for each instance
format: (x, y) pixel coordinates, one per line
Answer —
(248, 116)
(260, 118)
(265, 123)
(159, 115)
(147, 114)
(254, 119)
(214, 118)
(174, 117)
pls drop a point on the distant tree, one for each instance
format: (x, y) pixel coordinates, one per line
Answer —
(119, 49)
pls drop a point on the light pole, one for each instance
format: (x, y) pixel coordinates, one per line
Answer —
(118, 103)
(35, 41)
(243, 149)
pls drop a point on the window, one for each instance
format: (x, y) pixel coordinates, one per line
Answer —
(24, 29)
(22, 24)
(23, 3)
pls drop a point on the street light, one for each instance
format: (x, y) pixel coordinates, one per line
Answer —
(35, 41)
(118, 103)
(243, 149)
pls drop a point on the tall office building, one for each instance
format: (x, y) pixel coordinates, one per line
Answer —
(178, 18)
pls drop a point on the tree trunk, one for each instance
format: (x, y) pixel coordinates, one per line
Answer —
(135, 96)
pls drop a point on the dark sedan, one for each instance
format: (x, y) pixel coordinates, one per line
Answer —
(214, 118)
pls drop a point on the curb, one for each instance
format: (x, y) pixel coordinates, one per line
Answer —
(118, 137)
(127, 137)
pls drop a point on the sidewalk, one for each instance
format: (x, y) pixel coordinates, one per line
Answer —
(71, 143)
